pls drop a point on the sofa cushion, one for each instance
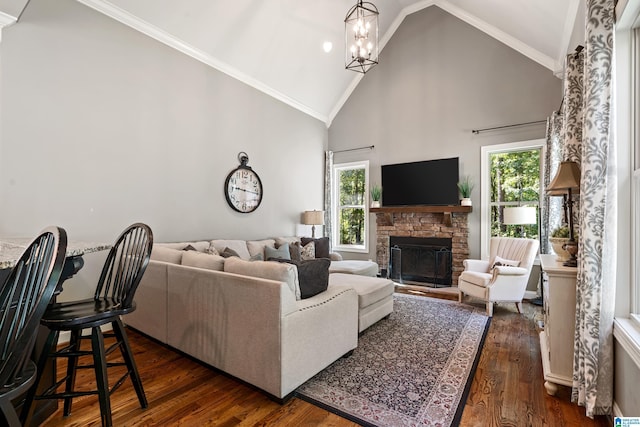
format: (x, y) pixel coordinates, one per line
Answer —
(475, 277)
(257, 246)
(370, 290)
(203, 260)
(294, 251)
(313, 275)
(163, 253)
(280, 272)
(282, 252)
(362, 268)
(199, 246)
(287, 239)
(321, 246)
(239, 246)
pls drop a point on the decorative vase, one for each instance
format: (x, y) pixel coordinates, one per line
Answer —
(557, 243)
(465, 201)
(375, 204)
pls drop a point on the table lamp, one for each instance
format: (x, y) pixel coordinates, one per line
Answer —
(567, 182)
(313, 218)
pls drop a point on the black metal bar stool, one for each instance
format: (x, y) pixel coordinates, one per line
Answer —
(121, 274)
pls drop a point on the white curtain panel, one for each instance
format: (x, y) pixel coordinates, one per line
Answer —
(593, 351)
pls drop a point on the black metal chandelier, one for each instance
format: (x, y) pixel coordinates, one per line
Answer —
(361, 37)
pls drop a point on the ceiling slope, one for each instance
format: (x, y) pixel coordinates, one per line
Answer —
(275, 46)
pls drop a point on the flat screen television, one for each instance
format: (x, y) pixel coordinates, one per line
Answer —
(429, 182)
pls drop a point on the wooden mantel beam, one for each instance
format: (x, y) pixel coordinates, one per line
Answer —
(387, 212)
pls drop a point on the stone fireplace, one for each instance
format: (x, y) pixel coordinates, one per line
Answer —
(430, 222)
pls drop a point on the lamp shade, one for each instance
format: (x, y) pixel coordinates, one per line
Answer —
(520, 215)
(313, 217)
(567, 178)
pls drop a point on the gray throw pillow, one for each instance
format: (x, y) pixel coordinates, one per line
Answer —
(282, 252)
(228, 252)
(295, 251)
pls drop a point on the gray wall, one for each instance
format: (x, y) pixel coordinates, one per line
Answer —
(438, 79)
(102, 126)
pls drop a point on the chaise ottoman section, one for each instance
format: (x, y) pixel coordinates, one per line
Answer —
(375, 296)
(362, 268)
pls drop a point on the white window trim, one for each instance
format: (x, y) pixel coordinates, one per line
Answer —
(334, 208)
(485, 191)
(626, 330)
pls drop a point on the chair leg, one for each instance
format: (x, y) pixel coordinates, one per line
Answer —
(72, 365)
(489, 308)
(102, 381)
(127, 354)
(28, 406)
(519, 307)
(10, 415)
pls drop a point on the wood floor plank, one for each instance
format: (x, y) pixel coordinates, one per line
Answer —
(507, 389)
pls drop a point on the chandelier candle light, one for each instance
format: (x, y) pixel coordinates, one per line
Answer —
(361, 37)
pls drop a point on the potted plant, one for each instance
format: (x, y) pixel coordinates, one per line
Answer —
(376, 195)
(560, 236)
(464, 187)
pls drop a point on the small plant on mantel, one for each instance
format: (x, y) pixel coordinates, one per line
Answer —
(465, 186)
(376, 195)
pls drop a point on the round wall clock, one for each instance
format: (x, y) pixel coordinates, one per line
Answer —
(243, 188)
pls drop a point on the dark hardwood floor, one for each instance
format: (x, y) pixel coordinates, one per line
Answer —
(507, 389)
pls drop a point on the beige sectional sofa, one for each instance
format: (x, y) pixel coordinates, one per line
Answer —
(246, 317)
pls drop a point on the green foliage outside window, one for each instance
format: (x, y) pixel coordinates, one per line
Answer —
(515, 180)
(351, 212)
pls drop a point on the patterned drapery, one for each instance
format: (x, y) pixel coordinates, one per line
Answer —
(552, 210)
(593, 348)
(328, 185)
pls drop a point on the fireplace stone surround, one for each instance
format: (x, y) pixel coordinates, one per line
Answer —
(424, 221)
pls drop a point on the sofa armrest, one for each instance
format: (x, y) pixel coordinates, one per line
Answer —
(478, 265)
(324, 328)
(335, 256)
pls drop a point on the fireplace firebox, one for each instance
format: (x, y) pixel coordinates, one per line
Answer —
(425, 261)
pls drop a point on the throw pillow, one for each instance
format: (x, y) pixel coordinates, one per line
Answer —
(281, 252)
(189, 248)
(266, 270)
(321, 244)
(257, 257)
(161, 253)
(498, 261)
(228, 252)
(295, 251)
(203, 260)
(308, 252)
(313, 275)
(211, 250)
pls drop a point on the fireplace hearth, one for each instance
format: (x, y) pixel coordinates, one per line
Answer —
(425, 260)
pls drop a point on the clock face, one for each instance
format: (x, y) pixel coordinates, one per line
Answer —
(243, 189)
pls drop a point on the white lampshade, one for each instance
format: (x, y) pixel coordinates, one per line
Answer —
(313, 217)
(520, 215)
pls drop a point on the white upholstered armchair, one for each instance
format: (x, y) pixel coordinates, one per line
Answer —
(504, 276)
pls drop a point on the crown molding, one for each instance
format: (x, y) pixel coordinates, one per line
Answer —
(164, 37)
(470, 19)
(6, 20)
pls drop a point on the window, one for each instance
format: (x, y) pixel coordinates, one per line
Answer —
(511, 176)
(350, 215)
(635, 143)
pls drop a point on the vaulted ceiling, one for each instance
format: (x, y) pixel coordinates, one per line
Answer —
(276, 46)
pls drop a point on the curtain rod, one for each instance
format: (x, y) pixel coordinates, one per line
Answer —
(477, 131)
(368, 147)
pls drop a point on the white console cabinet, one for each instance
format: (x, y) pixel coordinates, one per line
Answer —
(556, 340)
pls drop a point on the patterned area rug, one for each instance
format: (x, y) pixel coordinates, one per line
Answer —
(412, 369)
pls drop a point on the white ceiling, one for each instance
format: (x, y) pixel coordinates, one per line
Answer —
(276, 45)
